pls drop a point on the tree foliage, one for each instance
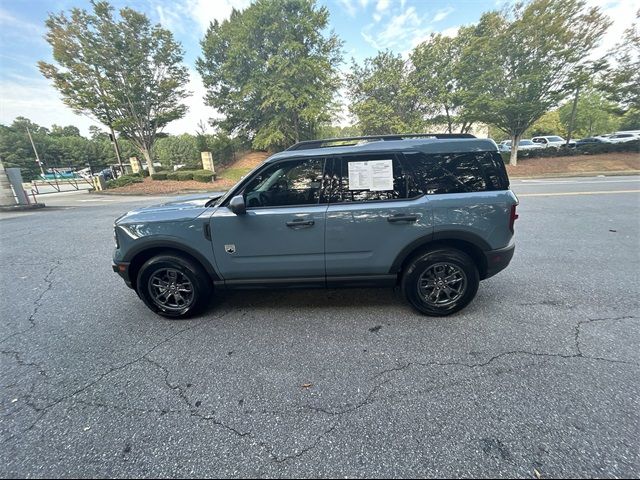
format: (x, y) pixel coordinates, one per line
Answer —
(383, 97)
(125, 73)
(520, 61)
(61, 147)
(593, 115)
(271, 71)
(438, 76)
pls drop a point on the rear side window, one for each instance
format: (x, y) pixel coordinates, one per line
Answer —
(342, 188)
(458, 172)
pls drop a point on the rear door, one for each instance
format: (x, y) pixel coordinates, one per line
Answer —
(370, 220)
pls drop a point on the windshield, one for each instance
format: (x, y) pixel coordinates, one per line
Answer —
(525, 142)
(555, 139)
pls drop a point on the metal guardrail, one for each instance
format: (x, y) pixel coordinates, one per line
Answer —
(76, 184)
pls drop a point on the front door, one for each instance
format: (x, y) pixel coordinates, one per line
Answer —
(280, 239)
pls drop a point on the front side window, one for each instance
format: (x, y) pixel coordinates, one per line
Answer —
(458, 172)
(295, 182)
(369, 178)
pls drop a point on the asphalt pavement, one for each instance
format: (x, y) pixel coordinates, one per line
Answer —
(539, 376)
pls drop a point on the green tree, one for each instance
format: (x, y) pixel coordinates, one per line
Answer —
(438, 75)
(592, 114)
(548, 124)
(519, 62)
(126, 73)
(178, 150)
(621, 81)
(68, 131)
(271, 71)
(383, 97)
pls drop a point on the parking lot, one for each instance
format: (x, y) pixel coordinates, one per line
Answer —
(538, 376)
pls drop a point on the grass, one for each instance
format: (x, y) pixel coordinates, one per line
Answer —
(234, 174)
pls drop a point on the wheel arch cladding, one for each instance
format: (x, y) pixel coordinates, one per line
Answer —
(471, 246)
(139, 257)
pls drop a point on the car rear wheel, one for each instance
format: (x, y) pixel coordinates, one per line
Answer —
(441, 281)
(174, 286)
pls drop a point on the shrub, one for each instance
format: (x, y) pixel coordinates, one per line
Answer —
(172, 176)
(588, 149)
(203, 175)
(159, 176)
(124, 180)
(183, 175)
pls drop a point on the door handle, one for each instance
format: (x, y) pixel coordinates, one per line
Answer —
(300, 222)
(402, 218)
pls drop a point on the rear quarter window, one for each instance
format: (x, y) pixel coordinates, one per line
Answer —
(458, 172)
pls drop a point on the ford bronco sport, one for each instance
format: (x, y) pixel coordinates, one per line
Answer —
(432, 214)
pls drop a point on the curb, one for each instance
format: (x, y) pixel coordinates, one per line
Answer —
(142, 194)
(613, 173)
(21, 208)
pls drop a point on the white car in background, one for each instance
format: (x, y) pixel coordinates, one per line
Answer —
(552, 141)
(524, 144)
(623, 137)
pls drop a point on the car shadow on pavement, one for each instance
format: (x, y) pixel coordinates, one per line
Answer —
(313, 298)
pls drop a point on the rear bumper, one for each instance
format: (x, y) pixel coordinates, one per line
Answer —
(122, 269)
(497, 260)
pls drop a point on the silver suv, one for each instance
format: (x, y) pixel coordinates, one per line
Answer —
(432, 214)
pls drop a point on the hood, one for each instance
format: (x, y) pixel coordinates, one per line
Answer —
(178, 209)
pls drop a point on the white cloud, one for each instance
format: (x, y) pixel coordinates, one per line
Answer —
(442, 14)
(350, 7)
(198, 111)
(622, 13)
(10, 25)
(36, 99)
(450, 32)
(401, 32)
(382, 6)
(205, 11)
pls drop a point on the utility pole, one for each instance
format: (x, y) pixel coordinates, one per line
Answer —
(114, 140)
(33, 145)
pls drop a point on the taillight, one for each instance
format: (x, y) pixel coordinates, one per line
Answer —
(512, 217)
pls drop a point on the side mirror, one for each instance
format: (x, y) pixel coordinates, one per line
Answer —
(237, 205)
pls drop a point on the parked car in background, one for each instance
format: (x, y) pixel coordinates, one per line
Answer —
(623, 137)
(553, 141)
(505, 146)
(591, 141)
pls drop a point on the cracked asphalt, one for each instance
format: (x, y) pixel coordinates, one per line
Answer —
(539, 374)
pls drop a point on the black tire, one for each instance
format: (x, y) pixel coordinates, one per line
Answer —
(160, 265)
(461, 264)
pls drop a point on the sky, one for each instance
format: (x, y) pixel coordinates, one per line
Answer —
(365, 26)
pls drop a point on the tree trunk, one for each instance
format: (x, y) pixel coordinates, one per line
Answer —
(572, 120)
(117, 149)
(149, 160)
(446, 109)
(515, 140)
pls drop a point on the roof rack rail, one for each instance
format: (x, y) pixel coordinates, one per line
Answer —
(344, 141)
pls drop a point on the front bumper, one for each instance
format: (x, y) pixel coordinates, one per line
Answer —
(122, 269)
(497, 260)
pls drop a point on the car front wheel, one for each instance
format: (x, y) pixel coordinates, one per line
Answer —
(441, 281)
(174, 286)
